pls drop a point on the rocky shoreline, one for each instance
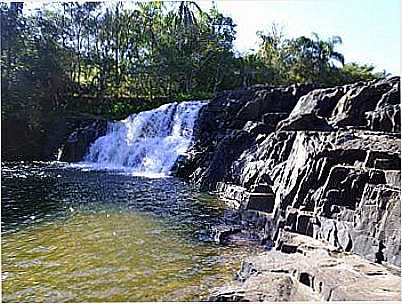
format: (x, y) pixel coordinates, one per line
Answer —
(317, 271)
(312, 175)
(315, 173)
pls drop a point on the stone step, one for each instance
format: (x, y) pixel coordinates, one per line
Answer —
(241, 198)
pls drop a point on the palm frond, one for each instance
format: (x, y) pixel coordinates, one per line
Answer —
(338, 57)
(336, 40)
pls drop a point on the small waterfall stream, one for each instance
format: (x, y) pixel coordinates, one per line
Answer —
(147, 143)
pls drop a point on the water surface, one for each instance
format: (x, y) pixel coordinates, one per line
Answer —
(76, 235)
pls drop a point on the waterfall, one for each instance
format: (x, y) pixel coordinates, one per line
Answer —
(147, 143)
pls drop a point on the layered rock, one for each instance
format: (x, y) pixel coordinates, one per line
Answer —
(315, 271)
(229, 125)
(321, 163)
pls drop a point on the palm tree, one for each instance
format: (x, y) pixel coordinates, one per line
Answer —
(324, 55)
(185, 15)
(325, 50)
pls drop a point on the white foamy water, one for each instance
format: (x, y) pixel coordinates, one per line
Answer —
(147, 143)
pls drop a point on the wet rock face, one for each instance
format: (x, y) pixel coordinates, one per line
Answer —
(230, 124)
(78, 143)
(321, 163)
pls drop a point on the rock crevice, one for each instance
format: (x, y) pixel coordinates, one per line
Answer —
(320, 163)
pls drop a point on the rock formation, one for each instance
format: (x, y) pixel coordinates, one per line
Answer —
(323, 164)
(316, 272)
(311, 174)
(79, 141)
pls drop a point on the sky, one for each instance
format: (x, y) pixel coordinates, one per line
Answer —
(370, 29)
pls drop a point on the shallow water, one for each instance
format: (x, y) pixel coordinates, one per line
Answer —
(75, 235)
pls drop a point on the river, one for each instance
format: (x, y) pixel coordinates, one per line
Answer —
(73, 234)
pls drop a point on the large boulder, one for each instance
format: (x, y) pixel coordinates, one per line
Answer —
(304, 269)
(227, 151)
(320, 102)
(387, 118)
(304, 122)
(351, 108)
(230, 124)
(276, 100)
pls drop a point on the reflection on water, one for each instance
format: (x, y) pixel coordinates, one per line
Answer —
(91, 236)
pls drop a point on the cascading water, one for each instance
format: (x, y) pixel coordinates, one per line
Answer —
(147, 143)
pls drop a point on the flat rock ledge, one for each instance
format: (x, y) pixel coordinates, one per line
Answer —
(314, 271)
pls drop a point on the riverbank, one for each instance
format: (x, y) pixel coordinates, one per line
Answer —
(310, 175)
(312, 270)
(320, 164)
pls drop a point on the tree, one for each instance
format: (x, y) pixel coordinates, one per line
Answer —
(354, 72)
(97, 57)
(276, 54)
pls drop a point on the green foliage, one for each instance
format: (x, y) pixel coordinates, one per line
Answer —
(353, 72)
(114, 59)
(301, 59)
(32, 74)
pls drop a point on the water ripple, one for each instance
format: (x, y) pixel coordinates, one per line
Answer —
(73, 235)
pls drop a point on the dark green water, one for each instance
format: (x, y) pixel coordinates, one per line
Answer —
(70, 235)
